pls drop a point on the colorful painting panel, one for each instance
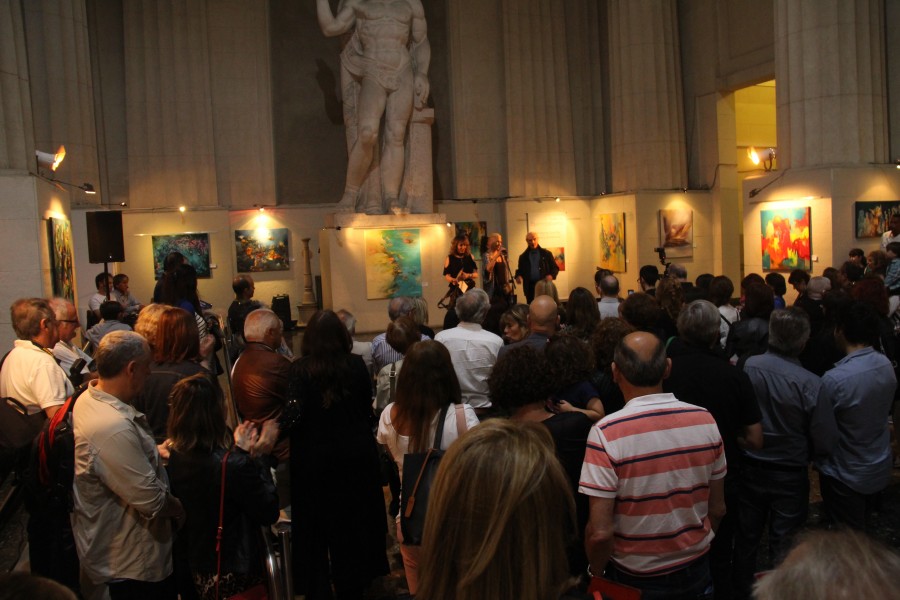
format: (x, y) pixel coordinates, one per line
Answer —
(873, 218)
(476, 230)
(559, 255)
(261, 249)
(676, 232)
(393, 263)
(194, 247)
(612, 242)
(786, 242)
(61, 258)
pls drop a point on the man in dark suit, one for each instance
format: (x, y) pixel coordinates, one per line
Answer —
(535, 264)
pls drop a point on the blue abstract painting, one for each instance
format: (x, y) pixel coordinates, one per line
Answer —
(393, 263)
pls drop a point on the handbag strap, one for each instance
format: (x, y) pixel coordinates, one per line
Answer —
(219, 530)
(439, 432)
(461, 425)
(393, 379)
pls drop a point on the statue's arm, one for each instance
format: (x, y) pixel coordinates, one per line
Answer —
(333, 25)
(420, 51)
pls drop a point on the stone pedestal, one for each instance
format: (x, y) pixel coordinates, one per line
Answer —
(307, 306)
(418, 179)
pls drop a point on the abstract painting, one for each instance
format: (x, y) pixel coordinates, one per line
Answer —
(61, 258)
(676, 232)
(612, 242)
(193, 246)
(559, 255)
(261, 250)
(873, 218)
(393, 263)
(476, 230)
(785, 239)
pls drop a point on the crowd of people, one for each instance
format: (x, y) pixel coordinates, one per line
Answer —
(653, 441)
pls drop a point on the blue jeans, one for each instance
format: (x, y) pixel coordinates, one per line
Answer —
(780, 497)
(693, 582)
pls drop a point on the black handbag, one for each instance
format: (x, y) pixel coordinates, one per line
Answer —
(420, 469)
(17, 428)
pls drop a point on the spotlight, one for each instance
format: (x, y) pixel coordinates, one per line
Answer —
(897, 162)
(557, 198)
(88, 189)
(449, 224)
(48, 161)
(765, 157)
(181, 209)
(123, 204)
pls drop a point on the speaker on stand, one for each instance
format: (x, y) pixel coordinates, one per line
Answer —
(106, 243)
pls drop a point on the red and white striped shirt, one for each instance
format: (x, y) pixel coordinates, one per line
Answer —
(656, 457)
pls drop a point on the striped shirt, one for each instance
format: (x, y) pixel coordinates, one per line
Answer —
(656, 457)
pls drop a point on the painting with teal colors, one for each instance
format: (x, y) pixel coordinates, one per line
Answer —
(393, 263)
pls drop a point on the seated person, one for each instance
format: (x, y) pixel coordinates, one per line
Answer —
(104, 283)
(111, 313)
(121, 293)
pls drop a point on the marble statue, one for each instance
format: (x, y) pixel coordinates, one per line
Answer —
(384, 73)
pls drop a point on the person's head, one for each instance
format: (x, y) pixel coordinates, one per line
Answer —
(751, 279)
(789, 330)
(569, 361)
(581, 311)
(177, 337)
(703, 281)
(147, 323)
(878, 262)
(103, 282)
(606, 337)
(494, 242)
(459, 245)
(546, 288)
(851, 272)
(720, 290)
(648, 276)
(798, 279)
(609, 287)
(181, 285)
(264, 326)
(816, 288)
(172, 260)
(426, 383)
(678, 272)
(640, 363)
(698, 323)
(759, 301)
(196, 421)
(543, 315)
(325, 336)
(327, 361)
(500, 517)
(531, 239)
(871, 291)
(123, 361)
(777, 283)
(857, 324)
(892, 250)
(399, 307)
(346, 318)
(833, 565)
(599, 274)
(515, 323)
(472, 307)
(243, 287)
(519, 378)
(66, 318)
(111, 310)
(834, 276)
(641, 311)
(420, 310)
(19, 585)
(670, 296)
(120, 283)
(402, 333)
(894, 224)
(33, 319)
(858, 256)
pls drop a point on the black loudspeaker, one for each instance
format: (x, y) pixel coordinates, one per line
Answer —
(104, 235)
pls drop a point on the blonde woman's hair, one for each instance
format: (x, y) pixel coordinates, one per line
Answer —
(148, 322)
(546, 288)
(499, 518)
(420, 310)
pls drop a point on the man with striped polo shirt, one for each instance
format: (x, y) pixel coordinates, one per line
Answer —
(654, 474)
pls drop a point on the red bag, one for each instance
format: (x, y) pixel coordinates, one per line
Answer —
(604, 589)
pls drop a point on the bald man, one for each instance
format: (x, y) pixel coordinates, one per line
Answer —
(653, 472)
(535, 264)
(543, 323)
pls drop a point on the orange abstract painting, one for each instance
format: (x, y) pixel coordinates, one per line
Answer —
(786, 243)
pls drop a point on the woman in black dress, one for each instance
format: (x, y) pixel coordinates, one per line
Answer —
(498, 282)
(459, 268)
(336, 496)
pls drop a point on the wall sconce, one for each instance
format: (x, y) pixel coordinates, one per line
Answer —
(50, 162)
(765, 157)
(897, 162)
(87, 188)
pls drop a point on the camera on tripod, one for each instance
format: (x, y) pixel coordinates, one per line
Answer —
(661, 251)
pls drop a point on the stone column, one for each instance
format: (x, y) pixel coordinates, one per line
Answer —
(647, 128)
(417, 176)
(830, 75)
(16, 128)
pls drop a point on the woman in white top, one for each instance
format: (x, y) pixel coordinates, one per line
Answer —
(720, 290)
(426, 384)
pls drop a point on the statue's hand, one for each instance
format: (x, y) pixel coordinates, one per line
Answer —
(422, 88)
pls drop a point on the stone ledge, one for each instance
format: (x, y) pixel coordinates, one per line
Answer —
(351, 220)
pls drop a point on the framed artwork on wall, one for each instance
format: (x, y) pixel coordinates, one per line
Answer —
(559, 256)
(786, 242)
(873, 218)
(61, 258)
(476, 230)
(393, 263)
(259, 250)
(676, 232)
(193, 246)
(612, 242)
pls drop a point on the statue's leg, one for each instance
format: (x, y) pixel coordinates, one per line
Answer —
(396, 120)
(371, 103)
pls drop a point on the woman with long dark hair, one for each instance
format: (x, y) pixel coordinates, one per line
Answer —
(180, 289)
(459, 267)
(427, 384)
(582, 314)
(336, 497)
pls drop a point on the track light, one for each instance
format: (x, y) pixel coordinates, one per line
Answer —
(765, 157)
(50, 162)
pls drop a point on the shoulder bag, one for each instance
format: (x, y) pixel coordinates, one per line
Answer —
(17, 428)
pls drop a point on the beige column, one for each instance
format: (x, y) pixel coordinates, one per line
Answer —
(831, 90)
(16, 129)
(647, 128)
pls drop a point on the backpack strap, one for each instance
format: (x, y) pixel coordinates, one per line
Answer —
(47, 437)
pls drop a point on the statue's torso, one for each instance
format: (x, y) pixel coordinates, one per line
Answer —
(383, 27)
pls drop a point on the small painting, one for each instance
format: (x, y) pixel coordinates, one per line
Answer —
(873, 218)
(477, 231)
(393, 263)
(261, 249)
(612, 242)
(559, 255)
(61, 258)
(193, 246)
(785, 239)
(676, 232)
